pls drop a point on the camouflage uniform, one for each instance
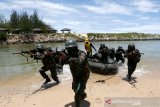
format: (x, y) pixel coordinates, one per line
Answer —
(80, 73)
(79, 68)
(49, 63)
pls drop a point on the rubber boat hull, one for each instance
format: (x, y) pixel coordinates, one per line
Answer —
(101, 68)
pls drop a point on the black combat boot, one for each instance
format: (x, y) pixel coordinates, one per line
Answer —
(55, 78)
(47, 80)
(57, 82)
(84, 95)
(129, 77)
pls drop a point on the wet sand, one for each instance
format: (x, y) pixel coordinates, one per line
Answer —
(27, 92)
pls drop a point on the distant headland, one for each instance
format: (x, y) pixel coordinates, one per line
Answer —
(62, 37)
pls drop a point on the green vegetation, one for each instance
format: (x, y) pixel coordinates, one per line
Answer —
(23, 21)
(3, 36)
(121, 36)
(26, 23)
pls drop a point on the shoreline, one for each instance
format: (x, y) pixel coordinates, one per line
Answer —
(59, 38)
(111, 40)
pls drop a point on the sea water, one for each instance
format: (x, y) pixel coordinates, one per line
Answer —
(16, 65)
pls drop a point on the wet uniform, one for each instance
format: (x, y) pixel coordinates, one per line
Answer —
(79, 69)
(111, 53)
(49, 63)
(119, 55)
(78, 63)
(104, 55)
(133, 57)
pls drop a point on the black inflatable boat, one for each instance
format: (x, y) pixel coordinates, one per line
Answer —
(109, 68)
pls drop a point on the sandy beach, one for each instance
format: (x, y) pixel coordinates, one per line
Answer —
(27, 92)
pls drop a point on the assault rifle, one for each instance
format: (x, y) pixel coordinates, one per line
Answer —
(135, 53)
(61, 54)
(31, 53)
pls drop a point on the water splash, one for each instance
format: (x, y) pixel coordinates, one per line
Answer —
(140, 71)
(66, 75)
(123, 71)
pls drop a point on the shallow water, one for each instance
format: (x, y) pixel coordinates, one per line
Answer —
(16, 65)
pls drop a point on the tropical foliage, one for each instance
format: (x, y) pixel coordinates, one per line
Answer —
(119, 36)
(23, 21)
(3, 36)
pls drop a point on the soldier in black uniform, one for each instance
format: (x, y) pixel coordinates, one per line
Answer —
(119, 54)
(103, 50)
(102, 46)
(133, 55)
(49, 62)
(78, 63)
(111, 53)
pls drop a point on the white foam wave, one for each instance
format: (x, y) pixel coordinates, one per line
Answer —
(140, 71)
(123, 71)
(66, 75)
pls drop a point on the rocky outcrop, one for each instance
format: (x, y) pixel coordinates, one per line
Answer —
(58, 37)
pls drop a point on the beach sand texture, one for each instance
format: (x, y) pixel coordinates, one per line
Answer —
(27, 92)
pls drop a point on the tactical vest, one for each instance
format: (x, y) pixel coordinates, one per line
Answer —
(77, 64)
(49, 60)
(134, 57)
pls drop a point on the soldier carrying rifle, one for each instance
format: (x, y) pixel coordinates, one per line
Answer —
(49, 59)
(133, 55)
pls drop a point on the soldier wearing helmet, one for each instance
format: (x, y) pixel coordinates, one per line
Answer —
(78, 63)
(49, 62)
(133, 55)
(49, 49)
(131, 47)
(88, 47)
(120, 54)
(40, 48)
(103, 51)
(102, 46)
(111, 53)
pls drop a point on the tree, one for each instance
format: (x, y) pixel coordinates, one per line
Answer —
(36, 22)
(14, 19)
(24, 22)
(34, 19)
(2, 21)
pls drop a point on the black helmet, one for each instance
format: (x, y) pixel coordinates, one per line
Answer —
(49, 49)
(131, 46)
(119, 47)
(112, 49)
(71, 43)
(102, 45)
(72, 47)
(40, 48)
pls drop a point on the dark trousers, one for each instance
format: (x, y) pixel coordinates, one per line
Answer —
(52, 69)
(104, 59)
(131, 68)
(120, 58)
(89, 54)
(79, 86)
